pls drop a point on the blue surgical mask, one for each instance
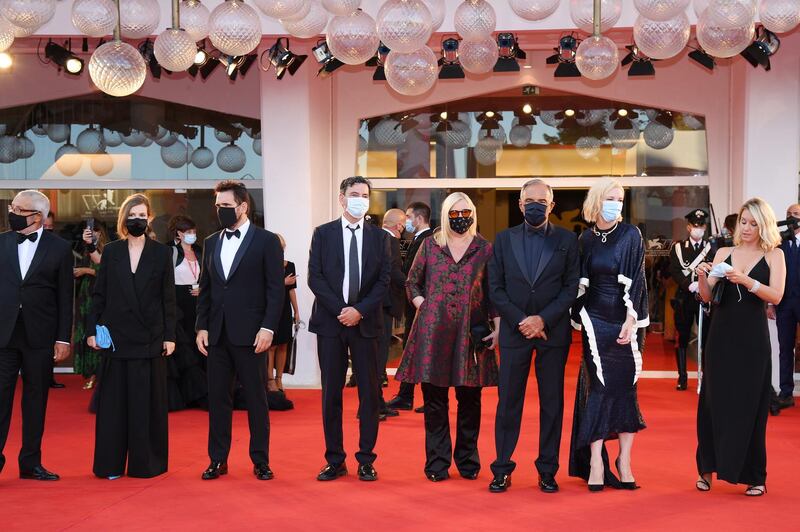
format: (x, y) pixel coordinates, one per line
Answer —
(409, 226)
(357, 207)
(190, 238)
(611, 210)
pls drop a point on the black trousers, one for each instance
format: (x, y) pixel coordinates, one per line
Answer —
(332, 352)
(787, 317)
(439, 451)
(131, 422)
(384, 343)
(225, 363)
(515, 366)
(685, 318)
(37, 371)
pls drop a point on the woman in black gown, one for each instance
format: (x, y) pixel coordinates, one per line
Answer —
(276, 356)
(612, 309)
(735, 389)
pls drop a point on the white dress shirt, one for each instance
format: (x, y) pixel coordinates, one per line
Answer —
(230, 246)
(346, 236)
(26, 251)
(420, 231)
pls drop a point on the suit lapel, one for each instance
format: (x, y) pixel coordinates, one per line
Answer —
(518, 246)
(145, 267)
(10, 251)
(217, 257)
(247, 240)
(548, 248)
(123, 266)
(338, 244)
(38, 257)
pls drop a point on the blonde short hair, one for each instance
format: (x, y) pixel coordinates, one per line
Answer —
(768, 233)
(593, 203)
(125, 210)
(446, 233)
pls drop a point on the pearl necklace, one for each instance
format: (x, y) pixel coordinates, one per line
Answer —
(604, 234)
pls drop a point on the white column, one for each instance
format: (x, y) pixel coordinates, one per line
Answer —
(296, 147)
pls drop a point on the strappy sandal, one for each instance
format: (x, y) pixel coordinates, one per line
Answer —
(703, 484)
(755, 491)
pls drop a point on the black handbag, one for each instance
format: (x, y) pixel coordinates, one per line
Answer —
(291, 351)
(716, 292)
(477, 333)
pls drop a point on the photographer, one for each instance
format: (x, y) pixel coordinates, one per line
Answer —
(787, 313)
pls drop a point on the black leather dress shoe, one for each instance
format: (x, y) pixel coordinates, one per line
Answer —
(367, 473)
(38, 473)
(420, 409)
(500, 483)
(332, 472)
(398, 403)
(215, 470)
(548, 484)
(262, 472)
(389, 412)
(785, 402)
(471, 475)
(54, 384)
(437, 477)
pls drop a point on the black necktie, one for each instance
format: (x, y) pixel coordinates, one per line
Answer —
(22, 238)
(229, 234)
(354, 277)
(697, 248)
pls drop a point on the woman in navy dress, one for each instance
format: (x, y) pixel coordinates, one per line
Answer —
(612, 309)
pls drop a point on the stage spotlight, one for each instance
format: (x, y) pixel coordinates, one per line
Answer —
(701, 58)
(622, 112)
(377, 61)
(451, 68)
(665, 118)
(525, 118)
(146, 49)
(623, 119)
(527, 109)
(237, 65)
(569, 118)
(325, 58)
(64, 58)
(5, 61)
(565, 57)
(206, 70)
(762, 48)
(201, 58)
(641, 65)
(282, 59)
(509, 53)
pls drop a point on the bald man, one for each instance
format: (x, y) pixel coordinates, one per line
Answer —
(787, 313)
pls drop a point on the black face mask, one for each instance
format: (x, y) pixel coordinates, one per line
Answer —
(136, 226)
(535, 213)
(227, 216)
(461, 225)
(17, 222)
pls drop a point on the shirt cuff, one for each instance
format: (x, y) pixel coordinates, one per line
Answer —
(268, 330)
(60, 342)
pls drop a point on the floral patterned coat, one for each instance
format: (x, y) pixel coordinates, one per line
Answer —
(439, 349)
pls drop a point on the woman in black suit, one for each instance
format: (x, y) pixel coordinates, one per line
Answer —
(134, 297)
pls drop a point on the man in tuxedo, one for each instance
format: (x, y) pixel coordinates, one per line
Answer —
(238, 310)
(36, 293)
(348, 271)
(533, 281)
(684, 258)
(418, 223)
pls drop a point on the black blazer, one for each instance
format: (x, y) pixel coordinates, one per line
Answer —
(251, 297)
(395, 301)
(139, 310)
(413, 248)
(326, 277)
(549, 295)
(45, 294)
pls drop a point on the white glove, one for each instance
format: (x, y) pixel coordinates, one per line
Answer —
(693, 287)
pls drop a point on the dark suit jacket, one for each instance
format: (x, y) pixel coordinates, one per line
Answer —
(549, 294)
(139, 310)
(395, 302)
(326, 277)
(414, 248)
(252, 296)
(45, 294)
(689, 254)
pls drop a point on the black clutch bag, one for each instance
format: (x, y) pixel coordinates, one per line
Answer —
(477, 333)
(716, 292)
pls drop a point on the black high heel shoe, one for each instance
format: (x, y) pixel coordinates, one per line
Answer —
(596, 487)
(625, 485)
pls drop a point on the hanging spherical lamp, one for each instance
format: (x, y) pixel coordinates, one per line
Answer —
(520, 136)
(90, 141)
(222, 136)
(592, 116)
(404, 25)
(58, 132)
(202, 157)
(341, 7)
(475, 19)
(138, 18)
(282, 9)
(95, 18)
(692, 122)
(352, 39)
(311, 25)
(779, 16)
(488, 151)
(588, 147)
(39, 130)
(175, 155)
(549, 118)
(478, 57)
(147, 142)
(167, 140)
(134, 139)
(28, 14)
(699, 7)
(68, 159)
(175, 50)
(235, 28)
(231, 158)
(623, 139)
(388, 133)
(194, 19)
(20, 32)
(257, 146)
(411, 73)
(498, 133)
(25, 147)
(534, 9)
(719, 39)
(597, 57)
(458, 135)
(117, 68)
(438, 9)
(582, 12)
(6, 34)
(661, 9)
(112, 138)
(8, 149)
(662, 39)
(658, 136)
(101, 164)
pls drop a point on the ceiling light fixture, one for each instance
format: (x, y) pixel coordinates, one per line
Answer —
(765, 45)
(64, 58)
(146, 49)
(282, 59)
(641, 65)
(325, 58)
(378, 61)
(509, 51)
(699, 56)
(565, 57)
(451, 67)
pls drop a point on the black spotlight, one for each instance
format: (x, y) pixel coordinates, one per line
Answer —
(451, 68)
(282, 59)
(146, 49)
(64, 58)
(509, 53)
(762, 48)
(565, 57)
(665, 118)
(699, 56)
(525, 118)
(237, 65)
(325, 58)
(378, 61)
(623, 118)
(641, 65)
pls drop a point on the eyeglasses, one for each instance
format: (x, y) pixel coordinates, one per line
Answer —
(465, 213)
(18, 210)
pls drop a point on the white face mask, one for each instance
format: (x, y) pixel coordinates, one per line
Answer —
(611, 210)
(698, 233)
(189, 238)
(357, 207)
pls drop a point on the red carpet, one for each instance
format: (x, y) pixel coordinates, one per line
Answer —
(402, 499)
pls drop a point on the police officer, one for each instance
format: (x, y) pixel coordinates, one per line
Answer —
(685, 256)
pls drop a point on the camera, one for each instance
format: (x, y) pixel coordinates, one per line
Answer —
(788, 227)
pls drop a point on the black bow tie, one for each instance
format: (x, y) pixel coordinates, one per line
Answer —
(22, 238)
(229, 234)
(538, 231)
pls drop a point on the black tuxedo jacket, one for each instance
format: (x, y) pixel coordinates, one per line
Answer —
(139, 310)
(45, 294)
(414, 248)
(395, 302)
(549, 294)
(326, 277)
(252, 295)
